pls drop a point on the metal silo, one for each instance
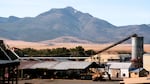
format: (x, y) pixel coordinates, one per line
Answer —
(137, 50)
(134, 49)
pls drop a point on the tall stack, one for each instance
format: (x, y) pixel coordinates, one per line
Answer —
(137, 51)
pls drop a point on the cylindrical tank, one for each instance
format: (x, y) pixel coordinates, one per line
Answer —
(134, 49)
(137, 52)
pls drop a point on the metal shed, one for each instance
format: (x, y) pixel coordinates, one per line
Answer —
(62, 69)
(8, 65)
(119, 69)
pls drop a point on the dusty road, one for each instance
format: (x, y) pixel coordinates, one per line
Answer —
(61, 81)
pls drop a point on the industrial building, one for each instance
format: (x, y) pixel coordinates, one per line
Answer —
(118, 65)
(106, 57)
(119, 69)
(115, 65)
(55, 69)
(140, 72)
(121, 65)
(146, 61)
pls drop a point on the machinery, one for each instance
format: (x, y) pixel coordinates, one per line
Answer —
(136, 55)
(137, 47)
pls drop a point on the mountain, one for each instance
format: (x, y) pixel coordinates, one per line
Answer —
(67, 21)
(141, 30)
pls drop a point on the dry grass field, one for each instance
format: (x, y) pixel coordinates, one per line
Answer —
(96, 47)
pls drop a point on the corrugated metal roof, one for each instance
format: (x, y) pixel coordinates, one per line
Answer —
(44, 65)
(7, 61)
(57, 65)
(27, 64)
(72, 65)
(119, 65)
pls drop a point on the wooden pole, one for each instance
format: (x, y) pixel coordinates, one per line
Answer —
(3, 78)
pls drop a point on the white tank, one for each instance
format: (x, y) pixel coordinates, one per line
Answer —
(137, 49)
(134, 49)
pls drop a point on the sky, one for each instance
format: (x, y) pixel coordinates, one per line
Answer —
(117, 12)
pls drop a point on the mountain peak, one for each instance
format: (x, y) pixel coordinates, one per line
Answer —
(60, 10)
(69, 8)
(13, 18)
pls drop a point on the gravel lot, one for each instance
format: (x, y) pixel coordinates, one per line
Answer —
(64, 81)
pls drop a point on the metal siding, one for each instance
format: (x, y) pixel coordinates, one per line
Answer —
(125, 71)
(119, 65)
(146, 61)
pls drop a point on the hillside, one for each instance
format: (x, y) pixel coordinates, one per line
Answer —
(66, 39)
(67, 21)
(86, 46)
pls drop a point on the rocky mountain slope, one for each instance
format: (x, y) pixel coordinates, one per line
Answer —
(67, 21)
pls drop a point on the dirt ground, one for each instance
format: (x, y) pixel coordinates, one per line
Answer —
(62, 81)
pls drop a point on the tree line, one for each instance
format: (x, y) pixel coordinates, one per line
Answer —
(78, 51)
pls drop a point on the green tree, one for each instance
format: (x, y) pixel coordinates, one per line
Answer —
(89, 52)
(44, 52)
(78, 51)
(60, 52)
(63, 52)
(29, 52)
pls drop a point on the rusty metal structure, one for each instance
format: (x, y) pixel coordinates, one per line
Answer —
(8, 65)
(137, 48)
(115, 44)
